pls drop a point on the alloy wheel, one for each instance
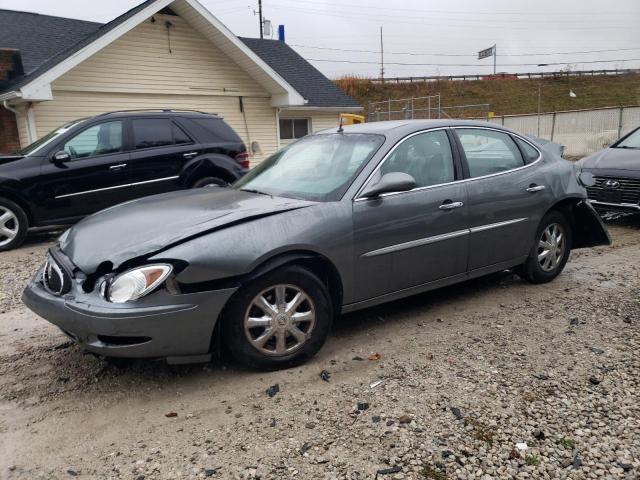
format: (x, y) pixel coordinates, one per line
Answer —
(280, 320)
(9, 226)
(551, 247)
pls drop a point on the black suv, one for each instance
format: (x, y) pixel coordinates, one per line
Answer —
(94, 163)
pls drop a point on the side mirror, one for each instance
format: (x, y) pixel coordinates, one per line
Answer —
(61, 157)
(390, 182)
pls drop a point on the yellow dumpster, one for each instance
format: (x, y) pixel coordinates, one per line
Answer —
(351, 119)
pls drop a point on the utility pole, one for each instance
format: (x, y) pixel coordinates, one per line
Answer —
(381, 56)
(495, 56)
(260, 15)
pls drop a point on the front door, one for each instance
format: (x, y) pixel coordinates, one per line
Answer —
(403, 240)
(508, 195)
(92, 179)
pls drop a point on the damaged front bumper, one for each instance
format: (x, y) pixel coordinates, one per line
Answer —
(178, 327)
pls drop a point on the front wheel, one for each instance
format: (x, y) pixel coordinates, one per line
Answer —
(13, 225)
(210, 182)
(278, 320)
(550, 251)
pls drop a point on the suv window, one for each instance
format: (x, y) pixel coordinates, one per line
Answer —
(489, 151)
(216, 130)
(100, 139)
(157, 132)
(426, 157)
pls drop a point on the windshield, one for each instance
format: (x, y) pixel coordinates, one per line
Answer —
(632, 141)
(317, 168)
(47, 139)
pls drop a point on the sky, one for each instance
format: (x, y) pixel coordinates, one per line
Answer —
(421, 37)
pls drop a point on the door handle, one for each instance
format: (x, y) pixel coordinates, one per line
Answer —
(533, 188)
(117, 167)
(190, 154)
(450, 205)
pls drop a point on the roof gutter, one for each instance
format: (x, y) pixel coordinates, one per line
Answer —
(322, 109)
(5, 104)
(9, 96)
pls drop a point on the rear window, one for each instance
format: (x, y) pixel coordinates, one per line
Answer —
(216, 130)
(157, 132)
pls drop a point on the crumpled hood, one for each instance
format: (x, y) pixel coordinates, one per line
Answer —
(614, 159)
(148, 225)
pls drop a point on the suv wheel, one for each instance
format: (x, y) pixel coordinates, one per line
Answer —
(278, 320)
(210, 182)
(13, 225)
(550, 251)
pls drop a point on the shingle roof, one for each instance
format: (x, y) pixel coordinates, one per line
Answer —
(44, 41)
(40, 37)
(43, 59)
(300, 74)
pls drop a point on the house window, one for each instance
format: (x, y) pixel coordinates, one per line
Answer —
(293, 128)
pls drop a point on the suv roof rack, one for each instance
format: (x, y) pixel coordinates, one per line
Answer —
(163, 110)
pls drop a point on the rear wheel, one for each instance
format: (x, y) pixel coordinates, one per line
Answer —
(550, 251)
(210, 182)
(278, 320)
(13, 225)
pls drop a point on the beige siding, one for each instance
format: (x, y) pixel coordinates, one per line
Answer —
(260, 126)
(140, 62)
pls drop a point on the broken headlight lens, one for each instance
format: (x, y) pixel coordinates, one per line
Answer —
(136, 283)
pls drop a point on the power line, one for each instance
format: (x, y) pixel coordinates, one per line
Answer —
(463, 54)
(467, 64)
(430, 12)
(465, 24)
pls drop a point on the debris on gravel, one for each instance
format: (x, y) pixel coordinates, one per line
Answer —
(461, 385)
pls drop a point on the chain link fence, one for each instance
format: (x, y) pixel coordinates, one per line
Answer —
(582, 132)
(422, 108)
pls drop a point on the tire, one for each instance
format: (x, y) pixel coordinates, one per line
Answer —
(13, 225)
(210, 182)
(536, 270)
(275, 354)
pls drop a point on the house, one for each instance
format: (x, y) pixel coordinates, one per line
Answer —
(161, 54)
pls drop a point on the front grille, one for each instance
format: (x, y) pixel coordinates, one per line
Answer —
(54, 277)
(615, 190)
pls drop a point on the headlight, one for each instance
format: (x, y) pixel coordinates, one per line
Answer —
(136, 283)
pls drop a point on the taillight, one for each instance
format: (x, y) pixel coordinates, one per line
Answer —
(243, 159)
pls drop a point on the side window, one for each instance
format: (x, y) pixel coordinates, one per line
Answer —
(152, 132)
(426, 157)
(489, 151)
(99, 139)
(179, 136)
(530, 153)
(293, 128)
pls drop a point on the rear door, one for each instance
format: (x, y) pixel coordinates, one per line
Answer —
(507, 195)
(403, 240)
(160, 148)
(91, 180)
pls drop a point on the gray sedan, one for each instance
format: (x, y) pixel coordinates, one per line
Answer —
(338, 221)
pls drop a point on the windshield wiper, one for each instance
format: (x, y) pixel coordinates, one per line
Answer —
(251, 190)
(629, 147)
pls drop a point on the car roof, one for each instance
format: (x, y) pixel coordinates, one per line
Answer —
(412, 125)
(155, 113)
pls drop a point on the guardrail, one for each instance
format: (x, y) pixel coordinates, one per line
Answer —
(513, 76)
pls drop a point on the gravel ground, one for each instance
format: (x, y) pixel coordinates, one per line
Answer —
(494, 378)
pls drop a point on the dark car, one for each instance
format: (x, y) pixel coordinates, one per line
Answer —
(336, 222)
(95, 163)
(617, 175)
